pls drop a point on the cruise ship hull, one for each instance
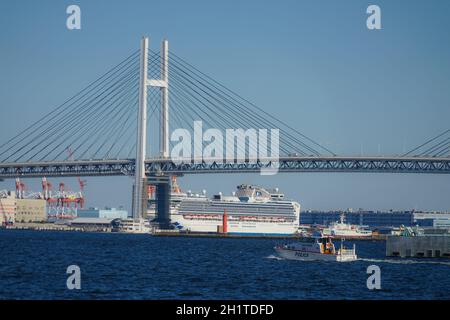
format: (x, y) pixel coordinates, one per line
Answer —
(233, 226)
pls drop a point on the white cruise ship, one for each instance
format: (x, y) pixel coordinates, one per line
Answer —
(250, 210)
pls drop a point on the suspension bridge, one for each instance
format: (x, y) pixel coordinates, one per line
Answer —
(106, 124)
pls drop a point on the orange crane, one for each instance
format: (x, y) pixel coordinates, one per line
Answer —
(20, 189)
(82, 183)
(62, 204)
(46, 189)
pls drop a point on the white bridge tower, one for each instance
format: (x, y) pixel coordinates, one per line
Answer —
(140, 192)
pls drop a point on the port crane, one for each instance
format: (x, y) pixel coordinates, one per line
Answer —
(61, 204)
(23, 193)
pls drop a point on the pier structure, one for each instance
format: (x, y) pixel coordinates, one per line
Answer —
(162, 197)
(422, 246)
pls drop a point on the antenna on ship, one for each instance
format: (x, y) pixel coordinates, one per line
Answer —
(342, 216)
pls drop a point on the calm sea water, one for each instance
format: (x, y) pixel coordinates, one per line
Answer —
(119, 266)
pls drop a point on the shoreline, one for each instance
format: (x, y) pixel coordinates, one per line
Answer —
(60, 228)
(241, 236)
(35, 226)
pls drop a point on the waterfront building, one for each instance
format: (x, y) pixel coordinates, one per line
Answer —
(31, 210)
(7, 208)
(94, 224)
(379, 219)
(372, 219)
(432, 219)
(107, 213)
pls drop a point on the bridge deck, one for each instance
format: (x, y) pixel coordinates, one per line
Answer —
(117, 167)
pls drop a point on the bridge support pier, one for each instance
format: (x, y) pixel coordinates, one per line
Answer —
(142, 199)
(162, 184)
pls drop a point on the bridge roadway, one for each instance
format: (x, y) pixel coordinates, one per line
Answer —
(156, 166)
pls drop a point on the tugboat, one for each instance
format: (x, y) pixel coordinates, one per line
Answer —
(317, 248)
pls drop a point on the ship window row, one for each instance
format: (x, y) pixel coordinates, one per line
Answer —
(238, 209)
(220, 212)
(249, 220)
(239, 204)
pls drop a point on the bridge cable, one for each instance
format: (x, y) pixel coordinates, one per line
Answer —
(52, 129)
(425, 143)
(240, 110)
(54, 114)
(248, 102)
(243, 110)
(93, 116)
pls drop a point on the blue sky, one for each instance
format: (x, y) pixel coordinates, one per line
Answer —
(312, 63)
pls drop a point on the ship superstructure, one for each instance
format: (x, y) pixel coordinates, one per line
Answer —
(342, 229)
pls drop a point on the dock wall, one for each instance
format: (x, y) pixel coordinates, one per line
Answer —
(428, 246)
